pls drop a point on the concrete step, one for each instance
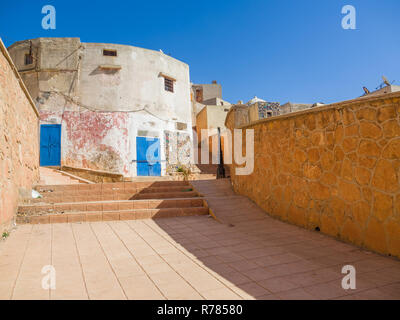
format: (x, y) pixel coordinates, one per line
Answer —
(127, 189)
(117, 186)
(107, 196)
(92, 216)
(113, 192)
(112, 201)
(31, 209)
(113, 196)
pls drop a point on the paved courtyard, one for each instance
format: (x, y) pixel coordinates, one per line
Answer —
(244, 255)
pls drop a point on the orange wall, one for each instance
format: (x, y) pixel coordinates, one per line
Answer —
(19, 141)
(336, 168)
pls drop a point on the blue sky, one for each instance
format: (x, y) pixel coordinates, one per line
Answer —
(279, 50)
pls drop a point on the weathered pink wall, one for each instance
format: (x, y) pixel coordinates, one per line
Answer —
(96, 140)
(93, 140)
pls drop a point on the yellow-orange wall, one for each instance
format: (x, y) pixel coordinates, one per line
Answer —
(335, 167)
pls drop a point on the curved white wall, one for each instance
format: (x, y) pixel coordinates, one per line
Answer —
(102, 111)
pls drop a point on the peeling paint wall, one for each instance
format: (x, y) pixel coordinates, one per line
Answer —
(103, 110)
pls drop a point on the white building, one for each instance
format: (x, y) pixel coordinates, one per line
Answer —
(100, 104)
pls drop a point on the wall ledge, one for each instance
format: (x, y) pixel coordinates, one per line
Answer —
(332, 106)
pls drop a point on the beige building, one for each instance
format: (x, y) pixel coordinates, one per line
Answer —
(209, 119)
(206, 95)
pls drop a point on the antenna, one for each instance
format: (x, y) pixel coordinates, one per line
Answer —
(366, 90)
(385, 81)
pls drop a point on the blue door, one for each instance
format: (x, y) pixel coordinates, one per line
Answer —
(50, 144)
(148, 156)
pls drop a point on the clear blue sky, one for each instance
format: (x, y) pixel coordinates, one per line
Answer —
(279, 50)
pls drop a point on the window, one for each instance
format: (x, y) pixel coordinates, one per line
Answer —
(168, 85)
(28, 59)
(199, 95)
(110, 53)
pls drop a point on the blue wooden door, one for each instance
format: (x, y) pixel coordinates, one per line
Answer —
(148, 156)
(50, 144)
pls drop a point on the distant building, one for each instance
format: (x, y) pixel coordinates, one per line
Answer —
(207, 95)
(386, 89)
(204, 92)
(209, 119)
(261, 109)
(289, 107)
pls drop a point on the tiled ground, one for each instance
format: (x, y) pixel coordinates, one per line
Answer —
(247, 256)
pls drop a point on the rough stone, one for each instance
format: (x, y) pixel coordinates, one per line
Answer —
(362, 175)
(392, 150)
(349, 191)
(383, 206)
(375, 238)
(385, 177)
(370, 130)
(385, 113)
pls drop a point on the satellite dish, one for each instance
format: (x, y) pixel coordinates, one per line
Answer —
(385, 81)
(366, 90)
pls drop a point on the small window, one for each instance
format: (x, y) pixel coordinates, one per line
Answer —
(168, 85)
(28, 59)
(109, 53)
(199, 95)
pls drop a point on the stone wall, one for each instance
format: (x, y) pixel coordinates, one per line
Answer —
(19, 149)
(333, 169)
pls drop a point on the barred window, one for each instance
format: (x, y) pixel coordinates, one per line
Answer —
(168, 85)
(110, 53)
(28, 59)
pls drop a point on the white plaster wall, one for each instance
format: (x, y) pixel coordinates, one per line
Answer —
(137, 84)
(132, 98)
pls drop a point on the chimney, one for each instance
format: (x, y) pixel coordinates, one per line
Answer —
(214, 82)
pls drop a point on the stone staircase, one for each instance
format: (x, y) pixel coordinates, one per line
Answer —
(112, 201)
(209, 171)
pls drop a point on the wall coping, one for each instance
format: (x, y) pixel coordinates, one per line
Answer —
(332, 106)
(21, 82)
(99, 172)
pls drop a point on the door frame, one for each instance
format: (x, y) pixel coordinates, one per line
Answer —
(58, 125)
(159, 161)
